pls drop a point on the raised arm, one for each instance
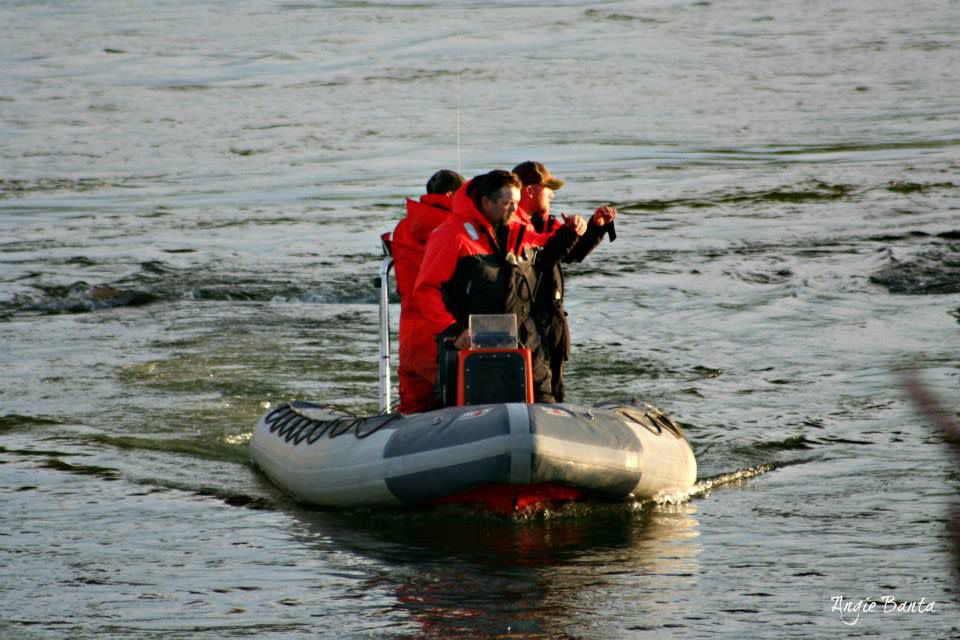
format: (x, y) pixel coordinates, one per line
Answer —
(601, 222)
(561, 242)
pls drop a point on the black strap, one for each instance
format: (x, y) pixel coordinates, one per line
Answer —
(516, 248)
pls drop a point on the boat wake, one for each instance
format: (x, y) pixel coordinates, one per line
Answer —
(703, 487)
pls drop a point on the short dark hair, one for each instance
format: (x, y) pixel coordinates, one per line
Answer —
(488, 185)
(444, 181)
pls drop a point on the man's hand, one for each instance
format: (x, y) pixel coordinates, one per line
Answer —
(575, 223)
(463, 340)
(603, 215)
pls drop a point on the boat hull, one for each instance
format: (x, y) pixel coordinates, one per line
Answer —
(614, 451)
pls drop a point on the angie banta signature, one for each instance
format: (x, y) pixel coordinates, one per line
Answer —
(850, 610)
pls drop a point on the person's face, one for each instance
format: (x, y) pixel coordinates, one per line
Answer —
(502, 206)
(544, 197)
(538, 198)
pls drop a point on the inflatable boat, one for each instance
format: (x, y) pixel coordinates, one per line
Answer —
(491, 447)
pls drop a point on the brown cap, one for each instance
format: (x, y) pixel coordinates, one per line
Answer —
(531, 172)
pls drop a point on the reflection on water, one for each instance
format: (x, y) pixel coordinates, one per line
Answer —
(459, 573)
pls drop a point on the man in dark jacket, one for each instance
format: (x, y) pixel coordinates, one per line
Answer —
(548, 313)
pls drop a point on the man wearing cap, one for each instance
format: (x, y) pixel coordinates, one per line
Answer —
(408, 244)
(535, 198)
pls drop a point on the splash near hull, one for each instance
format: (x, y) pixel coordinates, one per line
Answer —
(503, 457)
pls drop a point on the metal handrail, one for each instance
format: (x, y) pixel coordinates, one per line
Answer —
(384, 282)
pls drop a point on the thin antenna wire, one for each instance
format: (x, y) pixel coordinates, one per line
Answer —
(463, 21)
(459, 147)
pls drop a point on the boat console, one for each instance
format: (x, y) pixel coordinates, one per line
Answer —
(493, 369)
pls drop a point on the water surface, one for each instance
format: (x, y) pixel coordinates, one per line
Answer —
(190, 201)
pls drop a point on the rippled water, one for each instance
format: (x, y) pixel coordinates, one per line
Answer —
(190, 199)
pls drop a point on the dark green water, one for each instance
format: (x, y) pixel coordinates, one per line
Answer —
(191, 196)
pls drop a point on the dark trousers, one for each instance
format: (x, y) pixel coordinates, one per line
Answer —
(556, 378)
(555, 342)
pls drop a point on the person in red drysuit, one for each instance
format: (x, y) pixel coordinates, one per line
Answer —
(407, 245)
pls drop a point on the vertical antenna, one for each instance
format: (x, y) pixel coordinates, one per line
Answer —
(459, 152)
(463, 21)
(459, 101)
